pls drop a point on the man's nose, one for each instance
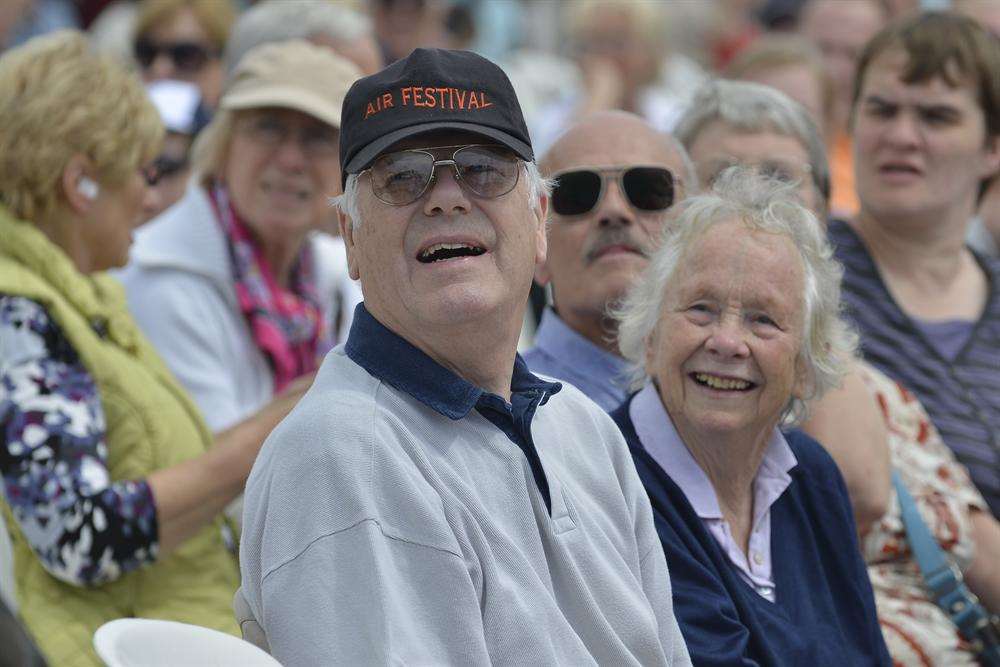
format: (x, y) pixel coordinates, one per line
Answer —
(614, 209)
(445, 195)
(903, 130)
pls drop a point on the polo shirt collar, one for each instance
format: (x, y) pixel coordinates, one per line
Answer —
(389, 357)
(556, 338)
(659, 437)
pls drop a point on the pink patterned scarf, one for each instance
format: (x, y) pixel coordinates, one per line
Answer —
(287, 324)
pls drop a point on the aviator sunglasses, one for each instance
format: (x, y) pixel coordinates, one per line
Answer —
(579, 191)
(402, 177)
(186, 56)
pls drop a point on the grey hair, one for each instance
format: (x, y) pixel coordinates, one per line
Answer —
(762, 204)
(348, 202)
(752, 107)
(280, 20)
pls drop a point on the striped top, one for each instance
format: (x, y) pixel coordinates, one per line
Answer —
(961, 395)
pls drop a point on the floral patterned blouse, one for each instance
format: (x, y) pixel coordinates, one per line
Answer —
(85, 528)
(917, 632)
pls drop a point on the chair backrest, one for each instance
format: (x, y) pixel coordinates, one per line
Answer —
(8, 593)
(143, 642)
(251, 629)
(16, 645)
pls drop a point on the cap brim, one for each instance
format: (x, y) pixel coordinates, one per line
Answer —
(367, 155)
(284, 97)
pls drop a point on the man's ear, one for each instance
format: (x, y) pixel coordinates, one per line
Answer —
(347, 233)
(542, 274)
(77, 184)
(541, 211)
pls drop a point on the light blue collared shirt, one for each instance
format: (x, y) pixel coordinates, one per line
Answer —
(562, 353)
(658, 435)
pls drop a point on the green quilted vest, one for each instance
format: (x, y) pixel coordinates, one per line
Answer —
(151, 424)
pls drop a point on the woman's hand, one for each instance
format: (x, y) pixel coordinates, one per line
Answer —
(190, 494)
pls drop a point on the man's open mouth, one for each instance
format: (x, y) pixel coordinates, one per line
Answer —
(442, 251)
(722, 383)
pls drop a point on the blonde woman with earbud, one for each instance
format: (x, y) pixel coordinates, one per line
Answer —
(113, 486)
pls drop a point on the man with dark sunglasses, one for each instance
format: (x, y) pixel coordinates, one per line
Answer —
(616, 178)
(431, 501)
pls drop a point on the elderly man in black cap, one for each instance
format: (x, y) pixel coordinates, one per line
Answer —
(430, 501)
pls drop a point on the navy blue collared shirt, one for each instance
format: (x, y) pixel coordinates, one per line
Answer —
(395, 361)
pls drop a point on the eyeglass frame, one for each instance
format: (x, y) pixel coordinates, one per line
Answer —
(247, 123)
(605, 173)
(766, 167)
(434, 165)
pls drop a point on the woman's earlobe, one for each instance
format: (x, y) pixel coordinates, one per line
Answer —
(804, 386)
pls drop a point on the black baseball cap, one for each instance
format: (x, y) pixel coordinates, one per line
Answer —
(430, 89)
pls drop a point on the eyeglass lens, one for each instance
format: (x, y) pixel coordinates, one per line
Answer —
(576, 192)
(646, 188)
(186, 56)
(400, 178)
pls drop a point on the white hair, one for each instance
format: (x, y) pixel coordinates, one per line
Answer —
(762, 204)
(280, 20)
(752, 107)
(348, 202)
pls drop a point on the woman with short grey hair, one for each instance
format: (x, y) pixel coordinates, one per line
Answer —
(737, 325)
(752, 108)
(768, 206)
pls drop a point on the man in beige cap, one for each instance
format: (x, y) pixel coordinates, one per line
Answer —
(236, 285)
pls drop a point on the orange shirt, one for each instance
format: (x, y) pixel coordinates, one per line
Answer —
(843, 197)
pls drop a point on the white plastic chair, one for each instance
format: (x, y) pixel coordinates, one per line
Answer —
(143, 642)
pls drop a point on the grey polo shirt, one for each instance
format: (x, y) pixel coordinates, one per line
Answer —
(402, 515)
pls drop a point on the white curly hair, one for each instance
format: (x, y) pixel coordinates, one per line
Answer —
(764, 204)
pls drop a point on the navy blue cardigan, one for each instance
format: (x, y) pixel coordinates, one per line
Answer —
(824, 612)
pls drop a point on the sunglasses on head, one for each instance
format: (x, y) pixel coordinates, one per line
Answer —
(402, 177)
(186, 56)
(579, 191)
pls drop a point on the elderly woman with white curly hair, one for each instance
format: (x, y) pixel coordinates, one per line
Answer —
(736, 324)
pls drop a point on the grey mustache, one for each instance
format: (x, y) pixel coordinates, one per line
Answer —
(612, 236)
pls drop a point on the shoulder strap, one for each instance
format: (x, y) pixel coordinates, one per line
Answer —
(942, 577)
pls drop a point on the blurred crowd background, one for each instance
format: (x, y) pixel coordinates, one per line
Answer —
(564, 57)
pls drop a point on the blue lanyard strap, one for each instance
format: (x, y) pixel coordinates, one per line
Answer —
(944, 580)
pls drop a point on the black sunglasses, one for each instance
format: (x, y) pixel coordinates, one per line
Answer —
(186, 56)
(579, 191)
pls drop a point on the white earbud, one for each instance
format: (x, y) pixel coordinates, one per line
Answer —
(88, 188)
